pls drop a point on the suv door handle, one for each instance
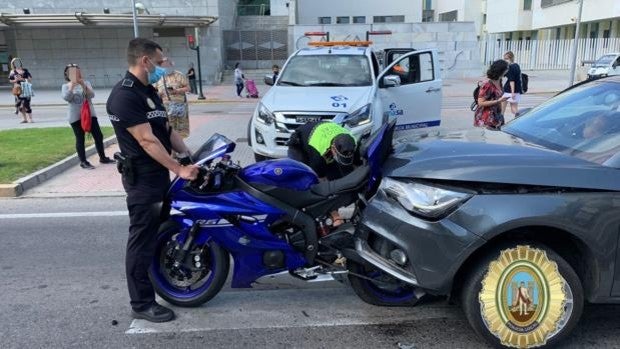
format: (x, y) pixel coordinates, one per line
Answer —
(431, 89)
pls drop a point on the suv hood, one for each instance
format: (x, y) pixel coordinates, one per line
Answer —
(325, 99)
(493, 157)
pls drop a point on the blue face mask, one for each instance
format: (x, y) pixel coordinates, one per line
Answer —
(156, 74)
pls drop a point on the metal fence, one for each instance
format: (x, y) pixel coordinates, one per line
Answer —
(547, 54)
(255, 46)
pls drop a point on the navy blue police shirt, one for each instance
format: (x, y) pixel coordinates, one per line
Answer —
(132, 103)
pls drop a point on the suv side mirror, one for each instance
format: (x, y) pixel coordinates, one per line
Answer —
(391, 81)
(269, 80)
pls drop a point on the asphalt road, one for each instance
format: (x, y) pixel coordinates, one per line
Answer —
(62, 284)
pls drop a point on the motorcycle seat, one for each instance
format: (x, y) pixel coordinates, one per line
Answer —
(319, 192)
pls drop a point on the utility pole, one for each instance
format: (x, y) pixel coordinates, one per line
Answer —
(135, 19)
(573, 62)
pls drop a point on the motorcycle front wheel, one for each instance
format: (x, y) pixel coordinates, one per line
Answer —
(200, 276)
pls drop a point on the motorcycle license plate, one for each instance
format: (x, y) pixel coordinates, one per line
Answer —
(304, 119)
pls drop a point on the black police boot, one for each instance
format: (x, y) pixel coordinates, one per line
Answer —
(86, 165)
(154, 313)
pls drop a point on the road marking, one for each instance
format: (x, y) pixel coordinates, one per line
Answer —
(63, 214)
(289, 308)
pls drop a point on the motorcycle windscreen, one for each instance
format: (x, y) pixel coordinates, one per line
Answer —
(216, 146)
(379, 148)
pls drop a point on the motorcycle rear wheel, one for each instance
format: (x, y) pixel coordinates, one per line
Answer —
(203, 285)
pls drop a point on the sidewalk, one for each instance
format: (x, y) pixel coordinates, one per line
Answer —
(48, 97)
(540, 82)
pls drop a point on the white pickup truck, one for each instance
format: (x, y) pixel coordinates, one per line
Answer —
(344, 84)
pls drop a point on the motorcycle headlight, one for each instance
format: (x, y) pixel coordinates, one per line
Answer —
(359, 117)
(264, 115)
(426, 201)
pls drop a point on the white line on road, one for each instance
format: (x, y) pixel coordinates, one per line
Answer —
(63, 214)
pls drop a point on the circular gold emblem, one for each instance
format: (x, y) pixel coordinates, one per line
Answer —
(150, 103)
(522, 297)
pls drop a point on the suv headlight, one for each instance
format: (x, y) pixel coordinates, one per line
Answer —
(359, 117)
(264, 115)
(427, 201)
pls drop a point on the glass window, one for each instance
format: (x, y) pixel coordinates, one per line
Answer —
(527, 5)
(325, 20)
(326, 70)
(343, 20)
(583, 122)
(359, 19)
(451, 16)
(414, 69)
(388, 19)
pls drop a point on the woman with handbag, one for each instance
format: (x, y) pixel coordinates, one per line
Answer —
(172, 89)
(79, 94)
(22, 90)
(490, 98)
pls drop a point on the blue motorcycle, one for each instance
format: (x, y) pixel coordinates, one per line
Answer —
(271, 217)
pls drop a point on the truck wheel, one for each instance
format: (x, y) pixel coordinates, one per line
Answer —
(522, 296)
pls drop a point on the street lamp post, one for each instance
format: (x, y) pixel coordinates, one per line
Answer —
(135, 19)
(574, 47)
(194, 44)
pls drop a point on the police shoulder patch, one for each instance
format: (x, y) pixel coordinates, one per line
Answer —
(127, 83)
(150, 103)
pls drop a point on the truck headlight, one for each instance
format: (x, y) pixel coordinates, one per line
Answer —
(359, 117)
(264, 115)
(426, 201)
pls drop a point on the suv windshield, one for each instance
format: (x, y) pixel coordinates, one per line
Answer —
(326, 70)
(583, 122)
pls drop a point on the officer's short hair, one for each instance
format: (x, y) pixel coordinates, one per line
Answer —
(140, 47)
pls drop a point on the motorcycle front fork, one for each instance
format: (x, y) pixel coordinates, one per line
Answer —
(181, 254)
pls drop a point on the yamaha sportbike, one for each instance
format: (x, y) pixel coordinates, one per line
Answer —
(271, 217)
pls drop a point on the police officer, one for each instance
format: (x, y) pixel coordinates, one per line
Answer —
(146, 141)
(328, 148)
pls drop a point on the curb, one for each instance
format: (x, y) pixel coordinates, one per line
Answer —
(30, 181)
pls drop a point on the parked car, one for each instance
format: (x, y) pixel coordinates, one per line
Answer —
(345, 84)
(521, 226)
(606, 65)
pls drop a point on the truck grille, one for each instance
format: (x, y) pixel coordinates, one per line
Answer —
(291, 121)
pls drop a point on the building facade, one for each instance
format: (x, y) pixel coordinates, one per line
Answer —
(47, 35)
(553, 19)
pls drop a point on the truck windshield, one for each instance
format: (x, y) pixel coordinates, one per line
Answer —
(327, 70)
(604, 61)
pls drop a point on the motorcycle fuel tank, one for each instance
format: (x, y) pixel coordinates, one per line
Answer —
(283, 173)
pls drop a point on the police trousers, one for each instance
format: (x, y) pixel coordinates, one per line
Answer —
(144, 200)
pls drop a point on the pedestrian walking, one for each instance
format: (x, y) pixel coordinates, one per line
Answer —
(21, 79)
(76, 91)
(239, 79)
(490, 97)
(513, 87)
(191, 77)
(146, 142)
(172, 89)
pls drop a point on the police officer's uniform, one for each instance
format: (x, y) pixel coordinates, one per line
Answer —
(132, 103)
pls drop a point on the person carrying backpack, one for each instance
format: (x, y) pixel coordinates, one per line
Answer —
(513, 87)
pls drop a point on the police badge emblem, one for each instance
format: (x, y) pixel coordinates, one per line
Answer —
(522, 298)
(150, 103)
